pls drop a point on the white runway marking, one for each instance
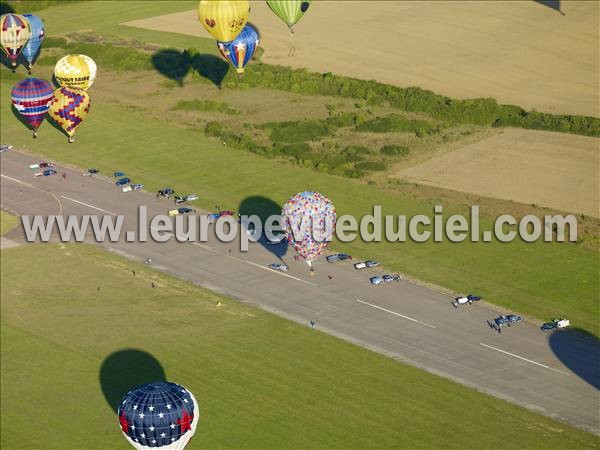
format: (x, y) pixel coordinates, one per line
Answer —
(15, 180)
(524, 359)
(88, 205)
(395, 313)
(60, 206)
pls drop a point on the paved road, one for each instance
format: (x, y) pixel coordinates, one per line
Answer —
(557, 376)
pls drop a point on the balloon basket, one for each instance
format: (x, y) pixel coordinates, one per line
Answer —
(71, 139)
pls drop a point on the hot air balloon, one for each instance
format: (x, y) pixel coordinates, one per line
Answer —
(14, 34)
(76, 71)
(31, 49)
(32, 98)
(240, 51)
(160, 414)
(290, 11)
(69, 108)
(309, 222)
(224, 19)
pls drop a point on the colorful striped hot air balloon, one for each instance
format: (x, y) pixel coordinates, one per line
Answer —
(69, 108)
(223, 19)
(290, 11)
(14, 34)
(76, 71)
(240, 51)
(32, 98)
(31, 49)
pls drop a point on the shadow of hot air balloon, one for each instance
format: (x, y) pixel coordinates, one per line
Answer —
(126, 369)
(176, 65)
(6, 8)
(264, 207)
(579, 351)
(552, 4)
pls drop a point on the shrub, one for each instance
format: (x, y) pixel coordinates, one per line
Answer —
(395, 124)
(372, 166)
(291, 132)
(205, 105)
(395, 150)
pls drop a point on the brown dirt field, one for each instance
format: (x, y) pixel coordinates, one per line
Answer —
(554, 170)
(522, 53)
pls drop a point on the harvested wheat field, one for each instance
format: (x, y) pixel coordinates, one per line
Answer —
(522, 53)
(554, 170)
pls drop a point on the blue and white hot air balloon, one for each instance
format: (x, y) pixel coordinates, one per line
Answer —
(159, 415)
(240, 51)
(32, 48)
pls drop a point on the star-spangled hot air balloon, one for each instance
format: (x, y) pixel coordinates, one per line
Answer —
(31, 98)
(308, 222)
(290, 11)
(14, 34)
(159, 415)
(240, 51)
(76, 71)
(69, 108)
(223, 19)
(31, 49)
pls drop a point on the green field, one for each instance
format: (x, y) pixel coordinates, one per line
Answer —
(261, 381)
(7, 222)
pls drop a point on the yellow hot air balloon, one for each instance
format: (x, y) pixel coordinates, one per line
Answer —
(68, 109)
(76, 71)
(224, 20)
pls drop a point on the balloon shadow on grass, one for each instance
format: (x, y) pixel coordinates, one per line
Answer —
(125, 370)
(552, 4)
(579, 351)
(6, 8)
(176, 65)
(264, 208)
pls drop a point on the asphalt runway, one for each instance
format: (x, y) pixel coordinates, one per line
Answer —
(557, 374)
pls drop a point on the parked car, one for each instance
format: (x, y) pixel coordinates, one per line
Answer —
(179, 199)
(339, 257)
(185, 210)
(49, 172)
(127, 188)
(279, 267)
(118, 174)
(45, 165)
(4, 148)
(375, 281)
(555, 324)
(390, 278)
(174, 212)
(213, 217)
(90, 172)
(191, 197)
(135, 187)
(507, 320)
(366, 264)
(226, 212)
(122, 181)
(166, 192)
(462, 300)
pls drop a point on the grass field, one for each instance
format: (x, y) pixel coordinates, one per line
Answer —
(460, 49)
(7, 222)
(540, 280)
(261, 381)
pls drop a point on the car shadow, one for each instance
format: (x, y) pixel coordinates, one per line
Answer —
(579, 351)
(176, 65)
(264, 207)
(124, 370)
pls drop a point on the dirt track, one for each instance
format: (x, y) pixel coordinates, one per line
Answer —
(532, 167)
(522, 53)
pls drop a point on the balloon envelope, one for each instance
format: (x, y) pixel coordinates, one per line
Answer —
(158, 415)
(31, 98)
(14, 34)
(223, 19)
(240, 51)
(309, 223)
(290, 11)
(69, 108)
(32, 47)
(76, 71)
